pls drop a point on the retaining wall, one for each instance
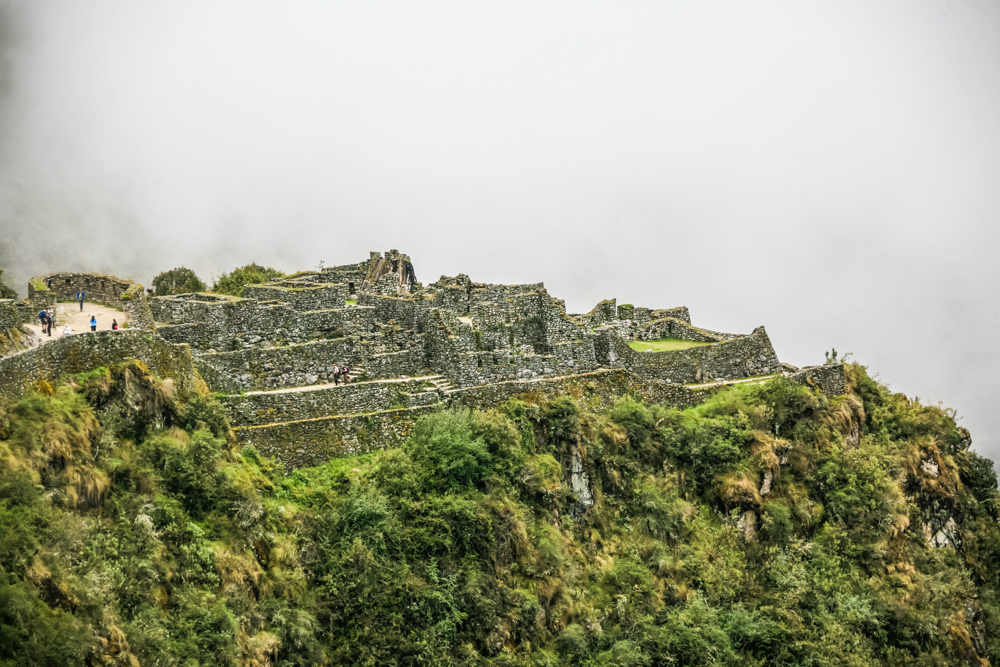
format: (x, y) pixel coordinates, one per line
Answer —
(13, 339)
(10, 315)
(670, 327)
(597, 390)
(265, 408)
(85, 352)
(301, 297)
(736, 358)
(829, 379)
(240, 323)
(256, 369)
(313, 441)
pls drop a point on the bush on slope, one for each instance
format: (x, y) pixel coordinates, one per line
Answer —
(768, 526)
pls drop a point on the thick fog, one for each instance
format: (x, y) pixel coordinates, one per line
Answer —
(829, 170)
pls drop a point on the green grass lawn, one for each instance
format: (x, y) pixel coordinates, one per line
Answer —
(664, 344)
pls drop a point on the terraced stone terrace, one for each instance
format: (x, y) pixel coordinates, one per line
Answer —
(414, 348)
(663, 345)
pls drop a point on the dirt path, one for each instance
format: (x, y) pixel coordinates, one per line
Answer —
(79, 322)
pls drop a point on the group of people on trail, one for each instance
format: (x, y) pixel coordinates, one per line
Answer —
(47, 319)
(340, 373)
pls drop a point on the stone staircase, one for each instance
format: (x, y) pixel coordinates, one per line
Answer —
(443, 386)
(355, 373)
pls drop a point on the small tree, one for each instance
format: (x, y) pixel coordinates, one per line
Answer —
(251, 274)
(177, 281)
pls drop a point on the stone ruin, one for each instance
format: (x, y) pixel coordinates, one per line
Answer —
(411, 348)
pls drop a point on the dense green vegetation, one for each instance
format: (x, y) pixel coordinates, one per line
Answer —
(769, 526)
(664, 344)
(181, 280)
(251, 274)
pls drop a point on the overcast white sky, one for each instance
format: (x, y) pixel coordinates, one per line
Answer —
(828, 169)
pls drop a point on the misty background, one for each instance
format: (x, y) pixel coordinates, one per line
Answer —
(830, 170)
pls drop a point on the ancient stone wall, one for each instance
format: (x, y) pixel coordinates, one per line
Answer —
(491, 292)
(135, 305)
(256, 409)
(603, 312)
(597, 390)
(99, 288)
(312, 441)
(13, 338)
(87, 351)
(477, 368)
(303, 364)
(348, 274)
(10, 315)
(257, 369)
(403, 311)
(829, 378)
(679, 313)
(185, 308)
(737, 358)
(239, 323)
(125, 295)
(670, 327)
(451, 297)
(395, 364)
(302, 296)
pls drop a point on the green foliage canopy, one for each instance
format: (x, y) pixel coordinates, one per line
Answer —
(771, 525)
(177, 281)
(251, 274)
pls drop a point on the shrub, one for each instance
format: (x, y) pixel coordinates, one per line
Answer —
(181, 280)
(444, 446)
(205, 412)
(189, 467)
(251, 274)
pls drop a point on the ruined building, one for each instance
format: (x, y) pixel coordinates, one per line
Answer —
(412, 348)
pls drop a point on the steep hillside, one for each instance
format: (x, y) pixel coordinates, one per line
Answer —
(771, 525)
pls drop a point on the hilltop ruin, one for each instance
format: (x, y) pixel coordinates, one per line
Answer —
(412, 349)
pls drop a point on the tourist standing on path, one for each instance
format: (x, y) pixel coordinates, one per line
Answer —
(336, 374)
(93, 323)
(80, 296)
(114, 325)
(43, 317)
(52, 319)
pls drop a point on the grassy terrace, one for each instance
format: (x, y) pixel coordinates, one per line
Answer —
(664, 344)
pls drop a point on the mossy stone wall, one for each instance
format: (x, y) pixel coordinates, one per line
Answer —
(255, 409)
(86, 351)
(312, 441)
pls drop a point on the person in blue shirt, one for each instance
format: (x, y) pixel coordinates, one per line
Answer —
(80, 296)
(93, 323)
